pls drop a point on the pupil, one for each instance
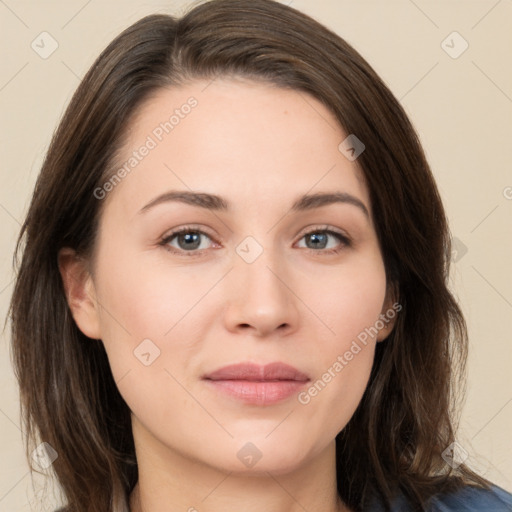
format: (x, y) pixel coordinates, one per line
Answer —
(316, 239)
(194, 238)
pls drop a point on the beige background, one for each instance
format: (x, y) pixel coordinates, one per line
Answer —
(461, 107)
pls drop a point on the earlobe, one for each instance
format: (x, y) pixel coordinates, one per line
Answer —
(389, 313)
(80, 292)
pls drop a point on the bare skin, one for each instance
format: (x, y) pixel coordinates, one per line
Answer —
(260, 148)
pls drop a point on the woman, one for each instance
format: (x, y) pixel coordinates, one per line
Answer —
(233, 289)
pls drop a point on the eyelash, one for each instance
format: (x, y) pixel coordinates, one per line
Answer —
(345, 241)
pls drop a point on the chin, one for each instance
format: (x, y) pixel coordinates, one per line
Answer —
(260, 456)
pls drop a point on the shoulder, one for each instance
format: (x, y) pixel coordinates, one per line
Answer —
(470, 499)
(467, 499)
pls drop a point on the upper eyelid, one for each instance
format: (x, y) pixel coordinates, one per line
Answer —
(187, 229)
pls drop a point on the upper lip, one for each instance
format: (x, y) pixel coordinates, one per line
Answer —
(257, 373)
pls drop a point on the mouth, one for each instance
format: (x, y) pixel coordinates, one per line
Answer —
(257, 384)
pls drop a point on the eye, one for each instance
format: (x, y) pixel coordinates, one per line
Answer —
(186, 240)
(318, 240)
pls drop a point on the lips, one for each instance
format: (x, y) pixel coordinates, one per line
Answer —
(257, 373)
(256, 384)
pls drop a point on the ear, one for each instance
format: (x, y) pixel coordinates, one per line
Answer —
(80, 292)
(390, 311)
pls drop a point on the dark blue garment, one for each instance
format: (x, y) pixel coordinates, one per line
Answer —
(468, 499)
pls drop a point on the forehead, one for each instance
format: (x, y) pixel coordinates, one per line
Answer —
(248, 141)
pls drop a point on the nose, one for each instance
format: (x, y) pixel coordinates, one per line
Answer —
(261, 300)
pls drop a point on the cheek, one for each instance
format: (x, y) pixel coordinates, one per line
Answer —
(348, 300)
(143, 298)
(141, 315)
(333, 397)
(343, 363)
(350, 306)
(152, 321)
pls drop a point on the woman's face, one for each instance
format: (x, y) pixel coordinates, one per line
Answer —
(257, 279)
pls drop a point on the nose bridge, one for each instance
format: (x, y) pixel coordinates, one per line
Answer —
(259, 268)
(261, 296)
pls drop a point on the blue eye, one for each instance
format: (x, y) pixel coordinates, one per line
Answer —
(319, 239)
(187, 241)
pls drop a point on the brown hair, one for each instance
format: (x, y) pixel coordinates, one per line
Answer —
(394, 441)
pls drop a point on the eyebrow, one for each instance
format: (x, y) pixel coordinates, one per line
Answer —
(217, 203)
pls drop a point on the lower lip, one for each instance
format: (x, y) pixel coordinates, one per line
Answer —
(259, 393)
